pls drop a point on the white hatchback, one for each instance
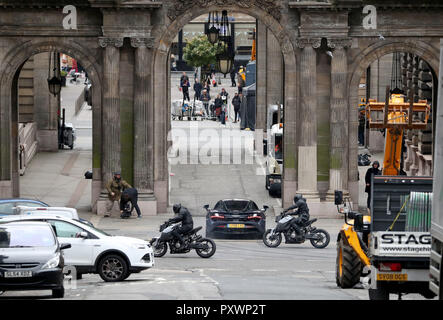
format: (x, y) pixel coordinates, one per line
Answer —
(92, 250)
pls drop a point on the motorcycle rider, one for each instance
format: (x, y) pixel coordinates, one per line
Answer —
(184, 216)
(302, 213)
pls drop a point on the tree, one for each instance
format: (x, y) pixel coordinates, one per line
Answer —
(199, 52)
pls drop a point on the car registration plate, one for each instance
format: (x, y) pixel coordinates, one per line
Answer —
(238, 226)
(18, 274)
(392, 277)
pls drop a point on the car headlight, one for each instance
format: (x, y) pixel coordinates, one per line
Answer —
(53, 262)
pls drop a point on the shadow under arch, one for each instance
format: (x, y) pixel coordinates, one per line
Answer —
(11, 66)
(161, 96)
(362, 62)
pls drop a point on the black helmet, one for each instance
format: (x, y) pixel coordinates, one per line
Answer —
(297, 197)
(176, 208)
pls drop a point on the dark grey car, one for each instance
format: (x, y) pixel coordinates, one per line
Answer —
(31, 258)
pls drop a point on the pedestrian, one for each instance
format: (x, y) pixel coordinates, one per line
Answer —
(233, 73)
(214, 81)
(218, 103)
(197, 89)
(361, 128)
(185, 89)
(223, 114)
(224, 96)
(236, 102)
(241, 79)
(115, 187)
(207, 86)
(129, 195)
(183, 78)
(205, 98)
(373, 171)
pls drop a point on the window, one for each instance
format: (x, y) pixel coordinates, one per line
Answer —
(7, 208)
(65, 229)
(30, 204)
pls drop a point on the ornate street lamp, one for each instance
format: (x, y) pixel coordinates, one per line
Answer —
(213, 32)
(225, 60)
(54, 83)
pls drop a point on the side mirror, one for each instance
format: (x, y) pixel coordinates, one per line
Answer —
(65, 246)
(265, 207)
(82, 234)
(206, 206)
(338, 197)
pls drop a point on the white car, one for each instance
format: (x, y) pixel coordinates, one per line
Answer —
(114, 258)
(69, 213)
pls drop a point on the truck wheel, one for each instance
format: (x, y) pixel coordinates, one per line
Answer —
(348, 266)
(378, 294)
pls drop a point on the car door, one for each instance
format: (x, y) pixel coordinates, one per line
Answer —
(81, 251)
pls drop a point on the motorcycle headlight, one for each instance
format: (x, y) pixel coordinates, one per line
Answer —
(53, 262)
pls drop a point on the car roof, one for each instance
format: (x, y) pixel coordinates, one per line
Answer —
(22, 200)
(27, 223)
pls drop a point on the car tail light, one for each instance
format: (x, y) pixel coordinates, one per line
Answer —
(217, 217)
(255, 216)
(390, 266)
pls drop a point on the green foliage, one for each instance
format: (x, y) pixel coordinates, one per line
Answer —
(199, 52)
(63, 73)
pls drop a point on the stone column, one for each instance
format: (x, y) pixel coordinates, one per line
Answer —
(143, 127)
(261, 76)
(339, 119)
(307, 134)
(111, 113)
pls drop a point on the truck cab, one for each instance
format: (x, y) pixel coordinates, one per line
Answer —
(274, 150)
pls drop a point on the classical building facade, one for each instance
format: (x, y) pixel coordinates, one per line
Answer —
(124, 46)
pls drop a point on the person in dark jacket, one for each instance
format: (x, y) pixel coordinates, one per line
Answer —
(218, 103)
(197, 89)
(236, 102)
(185, 89)
(187, 223)
(373, 171)
(129, 195)
(206, 98)
(302, 213)
(233, 75)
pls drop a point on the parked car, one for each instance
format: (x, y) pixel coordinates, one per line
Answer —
(69, 213)
(235, 217)
(31, 258)
(7, 206)
(114, 258)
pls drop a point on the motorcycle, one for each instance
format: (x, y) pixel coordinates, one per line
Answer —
(204, 247)
(273, 237)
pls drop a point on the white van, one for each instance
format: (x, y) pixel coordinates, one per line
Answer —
(69, 213)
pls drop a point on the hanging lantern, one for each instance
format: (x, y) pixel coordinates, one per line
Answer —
(213, 32)
(54, 82)
(225, 60)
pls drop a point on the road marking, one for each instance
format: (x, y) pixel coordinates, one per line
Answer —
(76, 196)
(69, 164)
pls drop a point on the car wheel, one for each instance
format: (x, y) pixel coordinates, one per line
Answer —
(58, 293)
(113, 268)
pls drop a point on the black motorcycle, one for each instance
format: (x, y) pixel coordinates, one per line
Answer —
(204, 247)
(273, 237)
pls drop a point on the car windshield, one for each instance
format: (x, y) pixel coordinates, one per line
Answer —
(7, 208)
(240, 205)
(99, 231)
(26, 236)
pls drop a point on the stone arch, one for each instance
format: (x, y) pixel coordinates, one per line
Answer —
(162, 46)
(362, 62)
(10, 66)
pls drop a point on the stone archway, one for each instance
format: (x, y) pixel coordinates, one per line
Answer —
(362, 62)
(12, 62)
(182, 14)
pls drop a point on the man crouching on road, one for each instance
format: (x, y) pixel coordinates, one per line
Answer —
(115, 188)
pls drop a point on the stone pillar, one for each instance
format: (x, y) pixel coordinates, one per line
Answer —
(339, 119)
(261, 76)
(110, 114)
(274, 71)
(307, 133)
(143, 127)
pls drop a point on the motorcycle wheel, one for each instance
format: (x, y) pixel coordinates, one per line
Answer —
(160, 249)
(323, 241)
(206, 253)
(274, 242)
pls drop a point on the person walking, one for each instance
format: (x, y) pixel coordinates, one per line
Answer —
(197, 89)
(185, 89)
(218, 103)
(183, 78)
(236, 102)
(241, 79)
(206, 98)
(372, 171)
(115, 187)
(233, 74)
